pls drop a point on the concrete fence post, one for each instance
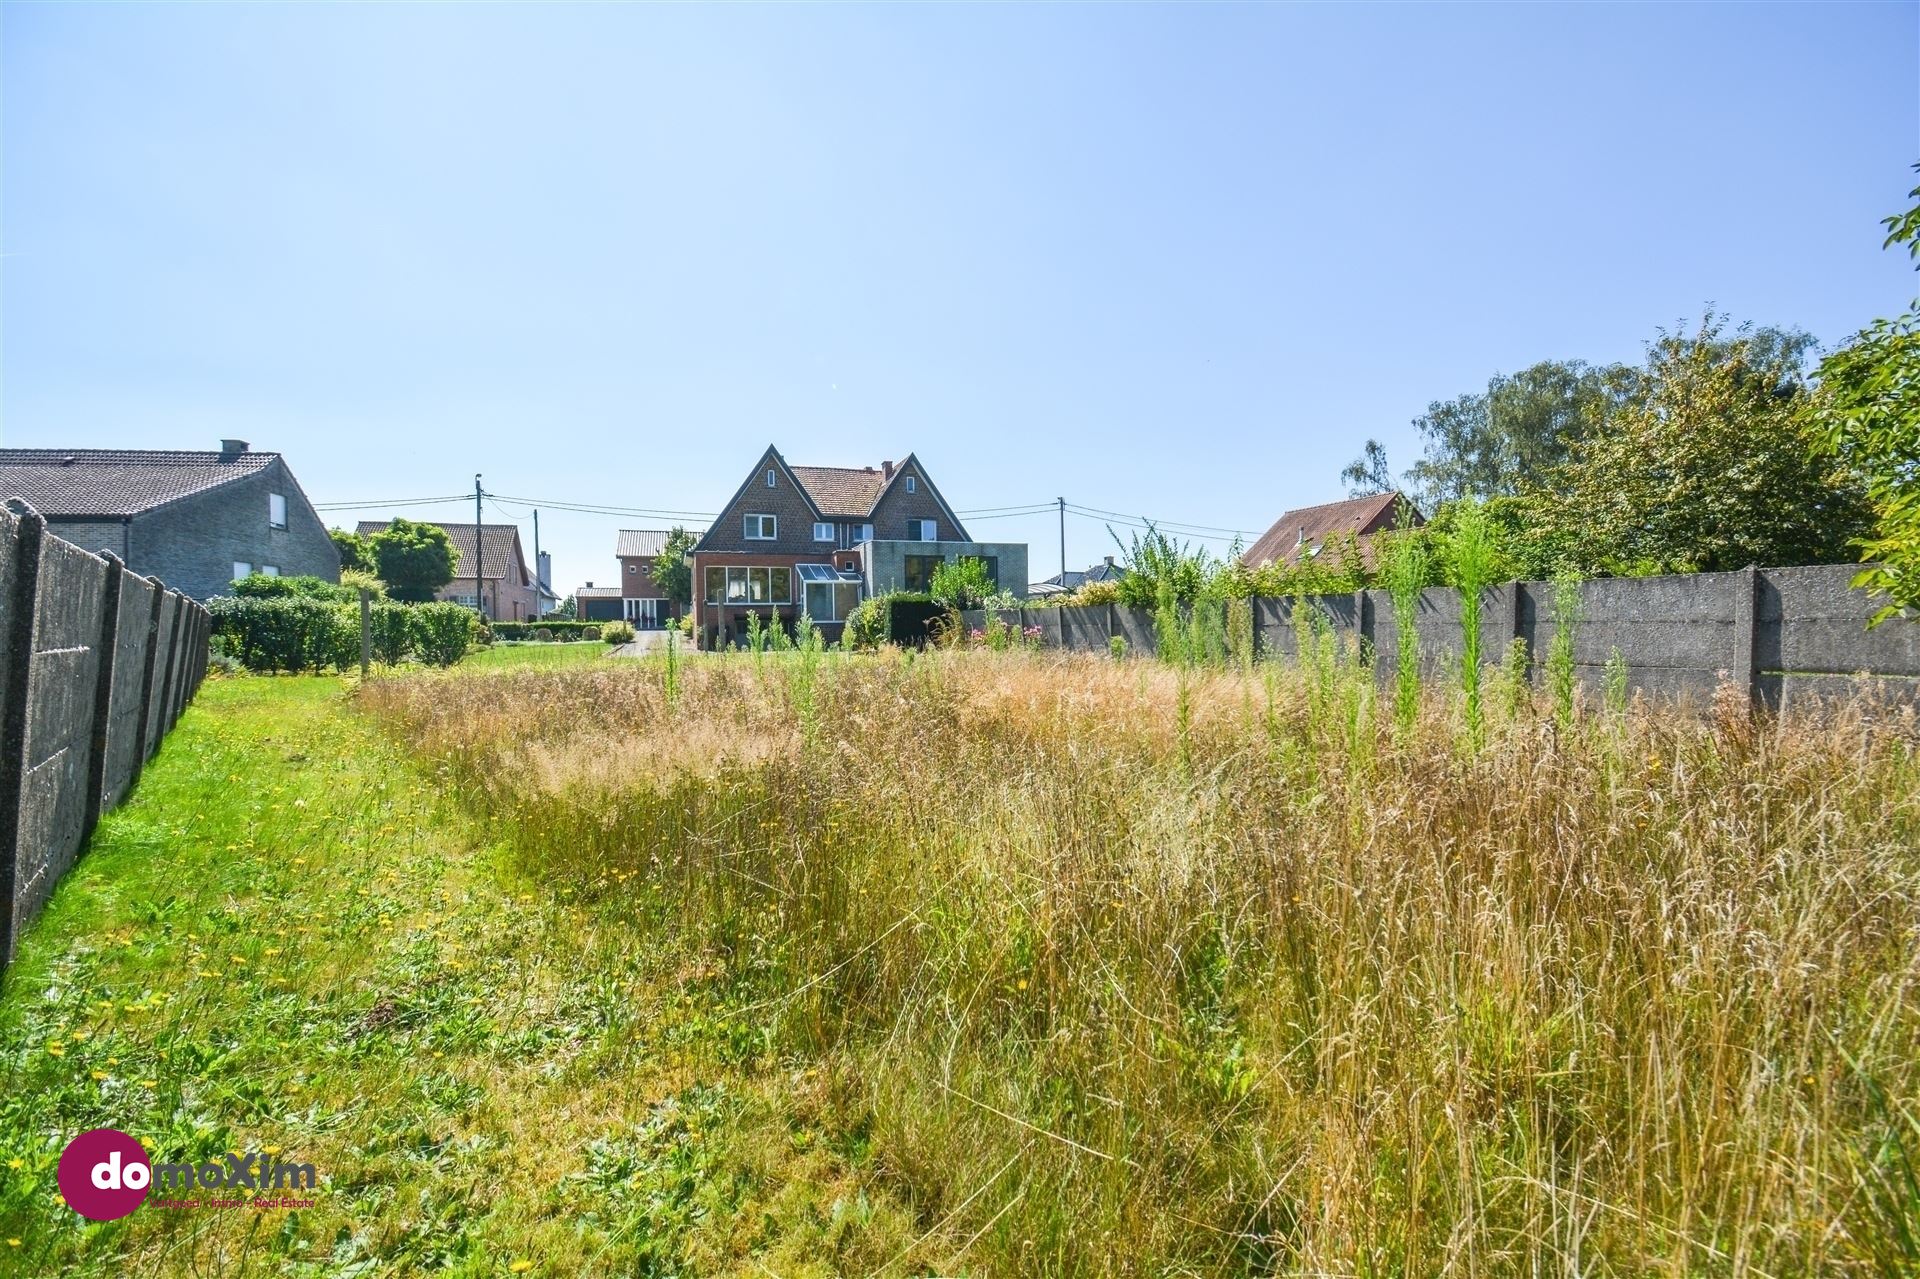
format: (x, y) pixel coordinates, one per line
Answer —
(1362, 621)
(366, 633)
(146, 675)
(16, 635)
(1744, 668)
(108, 648)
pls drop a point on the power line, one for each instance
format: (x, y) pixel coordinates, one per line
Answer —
(399, 501)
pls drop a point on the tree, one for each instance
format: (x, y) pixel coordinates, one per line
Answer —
(1709, 463)
(414, 560)
(1369, 473)
(671, 572)
(1867, 414)
(1501, 441)
(352, 549)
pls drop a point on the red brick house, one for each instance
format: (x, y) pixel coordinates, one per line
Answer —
(1304, 533)
(819, 539)
(508, 590)
(638, 598)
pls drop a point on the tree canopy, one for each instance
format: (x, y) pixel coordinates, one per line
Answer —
(671, 572)
(414, 560)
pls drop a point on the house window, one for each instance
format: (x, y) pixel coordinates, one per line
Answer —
(862, 533)
(910, 485)
(633, 568)
(754, 584)
(769, 477)
(269, 570)
(822, 532)
(241, 569)
(830, 594)
(761, 528)
(923, 531)
(276, 510)
(920, 570)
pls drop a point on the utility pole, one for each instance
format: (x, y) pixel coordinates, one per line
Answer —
(479, 557)
(1063, 541)
(539, 578)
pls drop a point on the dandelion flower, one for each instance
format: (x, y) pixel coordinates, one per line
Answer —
(149, 1084)
(521, 1266)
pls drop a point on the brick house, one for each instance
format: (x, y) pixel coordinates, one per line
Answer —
(638, 598)
(508, 590)
(819, 539)
(1304, 533)
(196, 520)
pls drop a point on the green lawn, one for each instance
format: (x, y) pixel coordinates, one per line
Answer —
(545, 656)
(291, 940)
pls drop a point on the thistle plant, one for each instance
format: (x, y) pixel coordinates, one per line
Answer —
(1405, 566)
(1472, 568)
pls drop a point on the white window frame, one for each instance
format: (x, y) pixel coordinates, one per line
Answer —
(769, 526)
(770, 477)
(923, 530)
(910, 484)
(862, 533)
(276, 510)
(822, 531)
(269, 570)
(242, 570)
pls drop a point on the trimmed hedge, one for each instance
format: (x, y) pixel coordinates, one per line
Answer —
(289, 633)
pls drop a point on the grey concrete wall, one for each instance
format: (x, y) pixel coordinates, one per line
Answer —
(885, 561)
(1784, 635)
(85, 696)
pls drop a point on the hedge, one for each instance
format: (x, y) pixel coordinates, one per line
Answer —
(286, 633)
(556, 630)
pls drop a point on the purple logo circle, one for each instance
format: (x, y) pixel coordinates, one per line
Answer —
(104, 1174)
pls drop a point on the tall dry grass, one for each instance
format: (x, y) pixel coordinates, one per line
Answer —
(1118, 969)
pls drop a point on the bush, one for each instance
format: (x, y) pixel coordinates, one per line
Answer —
(259, 586)
(392, 626)
(557, 629)
(442, 633)
(590, 632)
(870, 624)
(286, 633)
(617, 633)
(1094, 594)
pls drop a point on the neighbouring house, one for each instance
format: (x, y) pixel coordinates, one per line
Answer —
(1303, 534)
(196, 520)
(596, 603)
(508, 591)
(546, 601)
(819, 539)
(1073, 579)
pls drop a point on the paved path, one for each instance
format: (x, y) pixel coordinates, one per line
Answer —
(645, 642)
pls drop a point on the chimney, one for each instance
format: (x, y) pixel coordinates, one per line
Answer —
(886, 471)
(1302, 539)
(230, 447)
(589, 585)
(1109, 561)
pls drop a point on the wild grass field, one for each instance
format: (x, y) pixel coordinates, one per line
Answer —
(988, 964)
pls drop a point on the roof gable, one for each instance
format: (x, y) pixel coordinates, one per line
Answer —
(1310, 527)
(642, 543)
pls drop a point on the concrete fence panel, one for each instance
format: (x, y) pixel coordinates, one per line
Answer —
(79, 713)
(1085, 627)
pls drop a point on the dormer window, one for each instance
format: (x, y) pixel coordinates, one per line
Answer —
(910, 486)
(770, 477)
(761, 528)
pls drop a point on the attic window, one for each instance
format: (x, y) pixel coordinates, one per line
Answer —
(276, 510)
(910, 487)
(770, 477)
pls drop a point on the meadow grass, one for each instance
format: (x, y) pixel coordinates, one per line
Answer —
(985, 964)
(1120, 968)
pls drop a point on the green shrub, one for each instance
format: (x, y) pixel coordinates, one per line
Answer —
(262, 587)
(392, 627)
(617, 632)
(870, 624)
(590, 632)
(555, 629)
(287, 633)
(442, 632)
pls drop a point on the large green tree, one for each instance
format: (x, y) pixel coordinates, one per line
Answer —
(414, 560)
(1867, 411)
(671, 572)
(1709, 462)
(1509, 437)
(352, 549)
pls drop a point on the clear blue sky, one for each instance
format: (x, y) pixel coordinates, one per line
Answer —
(1172, 261)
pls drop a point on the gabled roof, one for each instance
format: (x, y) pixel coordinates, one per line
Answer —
(1073, 579)
(118, 482)
(647, 543)
(502, 546)
(1306, 530)
(841, 492)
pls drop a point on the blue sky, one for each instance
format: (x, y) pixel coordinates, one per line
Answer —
(1178, 262)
